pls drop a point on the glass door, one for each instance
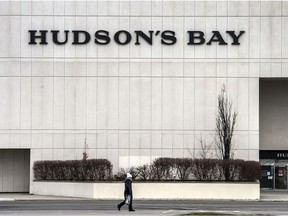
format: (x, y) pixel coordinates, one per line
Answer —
(267, 174)
(280, 177)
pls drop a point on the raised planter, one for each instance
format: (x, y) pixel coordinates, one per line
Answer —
(151, 190)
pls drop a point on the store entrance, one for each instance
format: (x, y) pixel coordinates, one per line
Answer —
(281, 177)
(273, 129)
(274, 176)
(267, 175)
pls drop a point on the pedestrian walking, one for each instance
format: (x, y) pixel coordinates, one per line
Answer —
(128, 195)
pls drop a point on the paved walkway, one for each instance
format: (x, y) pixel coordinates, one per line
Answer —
(266, 195)
(26, 196)
(274, 195)
(19, 204)
(142, 207)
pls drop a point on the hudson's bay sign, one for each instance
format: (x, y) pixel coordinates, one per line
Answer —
(273, 154)
(123, 37)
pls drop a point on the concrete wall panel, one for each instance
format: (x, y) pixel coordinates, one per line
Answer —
(134, 102)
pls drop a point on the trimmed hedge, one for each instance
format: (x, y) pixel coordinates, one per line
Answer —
(73, 170)
(161, 169)
(196, 169)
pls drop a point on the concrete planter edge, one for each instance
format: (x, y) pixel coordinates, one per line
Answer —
(151, 190)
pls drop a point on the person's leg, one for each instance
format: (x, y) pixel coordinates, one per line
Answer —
(121, 204)
(130, 205)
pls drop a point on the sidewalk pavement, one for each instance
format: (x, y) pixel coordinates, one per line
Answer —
(265, 195)
(27, 196)
(274, 195)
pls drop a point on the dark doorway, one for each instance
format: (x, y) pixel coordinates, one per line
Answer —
(14, 170)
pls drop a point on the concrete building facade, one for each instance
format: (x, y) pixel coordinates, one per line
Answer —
(134, 102)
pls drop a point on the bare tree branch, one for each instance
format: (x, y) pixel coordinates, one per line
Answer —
(205, 149)
(225, 123)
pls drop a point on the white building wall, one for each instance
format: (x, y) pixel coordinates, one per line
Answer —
(134, 103)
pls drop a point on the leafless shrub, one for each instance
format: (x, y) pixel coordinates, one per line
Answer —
(144, 172)
(73, 170)
(122, 173)
(161, 168)
(183, 167)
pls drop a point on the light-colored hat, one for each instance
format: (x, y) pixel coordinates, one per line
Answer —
(129, 175)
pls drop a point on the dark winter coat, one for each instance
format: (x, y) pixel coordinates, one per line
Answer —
(128, 186)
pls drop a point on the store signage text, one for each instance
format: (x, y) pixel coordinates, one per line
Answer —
(274, 154)
(123, 37)
(282, 155)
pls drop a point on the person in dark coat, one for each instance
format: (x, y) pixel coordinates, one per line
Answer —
(127, 191)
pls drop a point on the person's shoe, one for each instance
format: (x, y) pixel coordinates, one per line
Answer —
(131, 210)
(118, 206)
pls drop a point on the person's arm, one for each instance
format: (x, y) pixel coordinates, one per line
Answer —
(129, 187)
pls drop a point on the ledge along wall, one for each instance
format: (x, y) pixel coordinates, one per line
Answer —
(220, 191)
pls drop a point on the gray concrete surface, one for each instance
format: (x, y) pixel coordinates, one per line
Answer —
(266, 195)
(31, 197)
(271, 195)
(272, 203)
(96, 207)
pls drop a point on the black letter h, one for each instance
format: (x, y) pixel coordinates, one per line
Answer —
(42, 36)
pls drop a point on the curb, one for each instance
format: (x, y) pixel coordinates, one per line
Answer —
(6, 199)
